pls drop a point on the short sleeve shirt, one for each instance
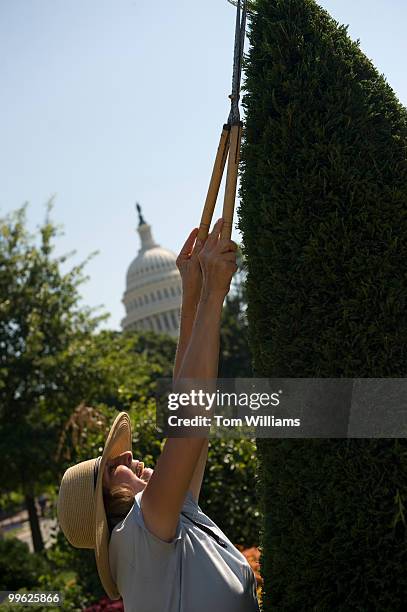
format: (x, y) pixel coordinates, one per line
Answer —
(192, 573)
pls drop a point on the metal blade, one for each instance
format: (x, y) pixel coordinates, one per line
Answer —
(234, 116)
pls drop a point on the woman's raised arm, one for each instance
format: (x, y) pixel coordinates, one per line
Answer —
(163, 497)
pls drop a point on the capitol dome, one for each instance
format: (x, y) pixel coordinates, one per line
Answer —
(152, 298)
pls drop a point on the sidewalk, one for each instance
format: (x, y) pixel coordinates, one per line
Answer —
(19, 526)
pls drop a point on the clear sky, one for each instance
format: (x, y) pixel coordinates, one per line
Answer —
(108, 102)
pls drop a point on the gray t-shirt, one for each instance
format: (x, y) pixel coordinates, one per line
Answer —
(192, 573)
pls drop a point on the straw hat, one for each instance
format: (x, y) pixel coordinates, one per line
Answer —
(80, 508)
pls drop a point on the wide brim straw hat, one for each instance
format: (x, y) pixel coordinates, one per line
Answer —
(80, 508)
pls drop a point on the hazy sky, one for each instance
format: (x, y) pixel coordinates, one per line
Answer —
(109, 102)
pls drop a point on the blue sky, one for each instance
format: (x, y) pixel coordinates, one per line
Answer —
(109, 102)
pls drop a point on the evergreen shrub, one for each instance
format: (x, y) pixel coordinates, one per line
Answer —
(324, 223)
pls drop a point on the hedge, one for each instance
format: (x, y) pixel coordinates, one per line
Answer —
(324, 223)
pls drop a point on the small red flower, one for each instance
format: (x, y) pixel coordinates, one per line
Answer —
(106, 605)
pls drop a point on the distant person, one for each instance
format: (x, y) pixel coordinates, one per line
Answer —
(42, 502)
(153, 544)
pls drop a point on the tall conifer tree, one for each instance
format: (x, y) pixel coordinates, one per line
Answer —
(324, 223)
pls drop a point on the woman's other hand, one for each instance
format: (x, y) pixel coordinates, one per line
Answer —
(218, 263)
(190, 269)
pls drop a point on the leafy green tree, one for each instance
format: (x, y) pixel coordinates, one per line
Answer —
(323, 216)
(40, 382)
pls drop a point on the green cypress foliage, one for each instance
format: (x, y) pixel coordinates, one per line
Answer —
(324, 223)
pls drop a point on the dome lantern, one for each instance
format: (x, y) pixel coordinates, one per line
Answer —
(144, 230)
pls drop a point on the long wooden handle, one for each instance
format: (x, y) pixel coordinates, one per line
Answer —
(231, 180)
(214, 184)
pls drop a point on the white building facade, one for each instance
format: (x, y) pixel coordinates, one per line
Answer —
(152, 298)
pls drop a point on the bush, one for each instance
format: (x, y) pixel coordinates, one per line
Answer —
(323, 216)
(253, 558)
(22, 571)
(229, 489)
(84, 584)
(18, 567)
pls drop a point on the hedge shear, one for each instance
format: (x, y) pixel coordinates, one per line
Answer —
(230, 140)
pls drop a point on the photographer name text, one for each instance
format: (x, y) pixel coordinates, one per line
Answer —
(220, 420)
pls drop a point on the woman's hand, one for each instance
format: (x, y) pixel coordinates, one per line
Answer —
(218, 263)
(190, 270)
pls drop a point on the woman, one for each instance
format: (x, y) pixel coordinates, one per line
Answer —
(153, 544)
